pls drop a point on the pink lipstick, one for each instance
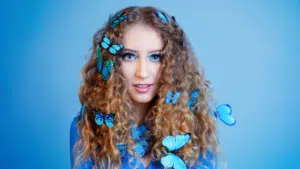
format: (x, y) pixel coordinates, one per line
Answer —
(142, 88)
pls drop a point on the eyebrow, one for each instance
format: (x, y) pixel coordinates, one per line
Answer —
(134, 51)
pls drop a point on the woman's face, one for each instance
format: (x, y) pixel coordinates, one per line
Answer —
(141, 62)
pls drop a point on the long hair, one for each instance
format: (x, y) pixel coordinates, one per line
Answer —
(180, 71)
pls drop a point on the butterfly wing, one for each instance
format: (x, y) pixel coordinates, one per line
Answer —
(162, 16)
(140, 149)
(109, 120)
(109, 63)
(178, 163)
(169, 143)
(105, 41)
(224, 109)
(193, 100)
(120, 14)
(169, 97)
(104, 45)
(99, 59)
(168, 160)
(175, 97)
(99, 118)
(115, 48)
(122, 149)
(223, 112)
(116, 22)
(195, 93)
(123, 18)
(107, 69)
(105, 73)
(172, 160)
(227, 119)
(174, 143)
(117, 16)
(112, 50)
(181, 140)
(136, 133)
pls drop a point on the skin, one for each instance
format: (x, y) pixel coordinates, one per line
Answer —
(141, 64)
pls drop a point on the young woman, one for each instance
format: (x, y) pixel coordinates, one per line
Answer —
(145, 100)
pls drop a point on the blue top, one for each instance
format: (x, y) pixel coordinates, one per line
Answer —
(88, 164)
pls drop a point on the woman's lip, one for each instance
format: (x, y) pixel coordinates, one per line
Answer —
(141, 84)
(142, 89)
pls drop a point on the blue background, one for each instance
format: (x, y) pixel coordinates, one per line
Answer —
(250, 50)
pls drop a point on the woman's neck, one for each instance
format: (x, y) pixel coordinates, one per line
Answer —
(140, 113)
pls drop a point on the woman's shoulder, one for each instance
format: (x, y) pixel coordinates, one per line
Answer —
(209, 161)
(74, 133)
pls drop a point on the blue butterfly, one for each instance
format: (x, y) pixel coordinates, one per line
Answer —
(172, 144)
(122, 149)
(106, 67)
(112, 48)
(172, 98)
(114, 22)
(142, 143)
(138, 134)
(223, 112)
(162, 16)
(108, 119)
(193, 100)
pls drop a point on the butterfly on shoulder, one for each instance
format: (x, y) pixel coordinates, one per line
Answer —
(172, 144)
(223, 113)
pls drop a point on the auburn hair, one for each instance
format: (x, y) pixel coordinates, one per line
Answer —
(180, 71)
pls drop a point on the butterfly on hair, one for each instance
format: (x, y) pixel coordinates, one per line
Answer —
(106, 67)
(162, 16)
(193, 99)
(172, 98)
(112, 48)
(101, 118)
(116, 20)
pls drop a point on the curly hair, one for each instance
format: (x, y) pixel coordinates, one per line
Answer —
(180, 71)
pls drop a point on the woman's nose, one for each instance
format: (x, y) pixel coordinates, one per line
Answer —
(142, 68)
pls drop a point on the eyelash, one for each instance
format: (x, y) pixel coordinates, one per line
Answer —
(135, 57)
(126, 55)
(157, 55)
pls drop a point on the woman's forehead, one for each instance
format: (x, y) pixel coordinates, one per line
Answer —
(140, 37)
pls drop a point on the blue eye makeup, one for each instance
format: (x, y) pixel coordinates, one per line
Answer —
(155, 57)
(128, 56)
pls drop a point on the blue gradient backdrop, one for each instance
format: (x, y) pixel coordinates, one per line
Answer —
(250, 50)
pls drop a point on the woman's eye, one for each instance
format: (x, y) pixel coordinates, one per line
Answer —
(155, 57)
(128, 56)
